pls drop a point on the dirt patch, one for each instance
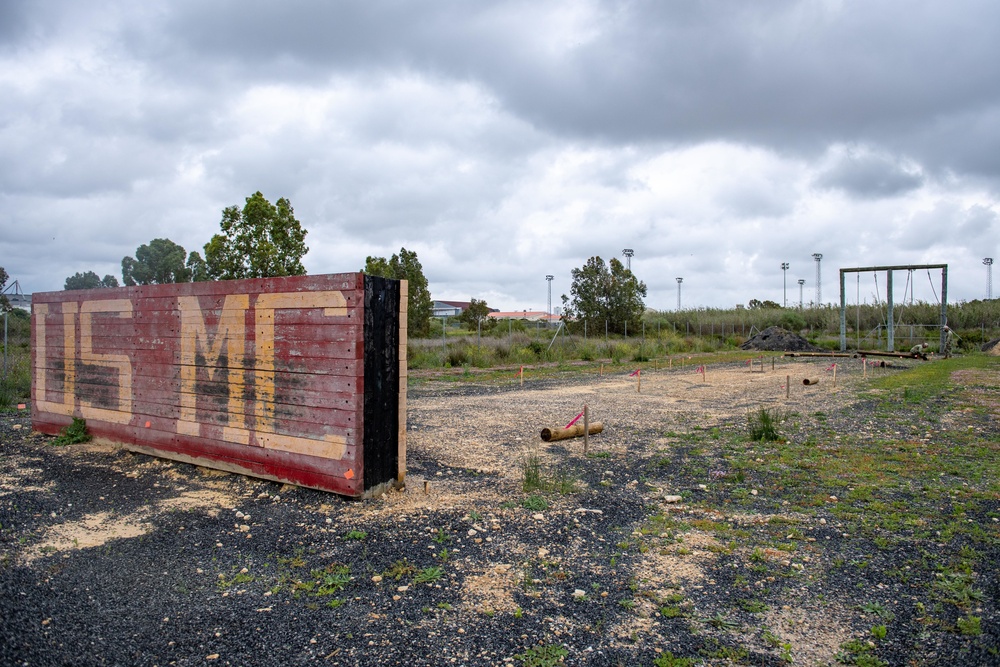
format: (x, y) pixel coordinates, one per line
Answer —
(93, 530)
(814, 632)
(490, 592)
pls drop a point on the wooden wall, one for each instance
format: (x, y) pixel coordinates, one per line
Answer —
(263, 376)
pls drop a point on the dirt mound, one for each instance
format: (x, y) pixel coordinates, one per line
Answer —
(992, 347)
(776, 339)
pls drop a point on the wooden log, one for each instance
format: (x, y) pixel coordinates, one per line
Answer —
(574, 431)
(809, 381)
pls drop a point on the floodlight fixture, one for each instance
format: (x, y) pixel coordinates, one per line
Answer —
(784, 283)
(819, 278)
(628, 253)
(549, 280)
(988, 261)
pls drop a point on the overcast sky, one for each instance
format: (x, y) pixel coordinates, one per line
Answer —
(503, 141)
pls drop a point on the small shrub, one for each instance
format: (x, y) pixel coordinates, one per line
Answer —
(763, 425)
(667, 659)
(970, 626)
(73, 434)
(543, 656)
(531, 474)
(400, 569)
(457, 357)
(428, 575)
(535, 503)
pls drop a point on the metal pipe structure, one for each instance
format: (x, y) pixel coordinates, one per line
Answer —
(679, 281)
(889, 270)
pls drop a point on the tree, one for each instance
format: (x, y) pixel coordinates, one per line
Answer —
(756, 304)
(605, 292)
(406, 266)
(477, 316)
(261, 241)
(158, 263)
(4, 302)
(89, 280)
(197, 266)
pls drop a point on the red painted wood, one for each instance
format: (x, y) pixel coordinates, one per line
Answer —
(313, 364)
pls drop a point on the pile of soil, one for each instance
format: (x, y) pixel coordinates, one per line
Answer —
(776, 339)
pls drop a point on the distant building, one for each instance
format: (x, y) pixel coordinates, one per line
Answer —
(450, 308)
(530, 315)
(22, 301)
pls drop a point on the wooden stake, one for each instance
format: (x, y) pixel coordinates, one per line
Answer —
(586, 430)
(638, 379)
(522, 376)
(670, 363)
(762, 364)
(602, 370)
(788, 385)
(864, 365)
(835, 375)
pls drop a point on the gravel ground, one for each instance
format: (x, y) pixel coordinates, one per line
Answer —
(112, 558)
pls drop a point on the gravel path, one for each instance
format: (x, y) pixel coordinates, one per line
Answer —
(111, 558)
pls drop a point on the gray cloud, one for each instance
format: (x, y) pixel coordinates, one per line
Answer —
(867, 174)
(504, 141)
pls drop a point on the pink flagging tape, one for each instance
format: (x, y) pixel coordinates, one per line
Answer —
(575, 420)
(831, 367)
(634, 373)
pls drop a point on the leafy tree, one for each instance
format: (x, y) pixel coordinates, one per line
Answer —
(406, 266)
(261, 241)
(605, 292)
(756, 304)
(4, 303)
(197, 266)
(477, 315)
(89, 280)
(158, 263)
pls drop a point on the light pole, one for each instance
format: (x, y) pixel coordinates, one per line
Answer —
(679, 281)
(802, 281)
(549, 311)
(988, 261)
(628, 253)
(819, 279)
(784, 283)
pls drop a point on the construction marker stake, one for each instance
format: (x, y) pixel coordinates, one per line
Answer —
(575, 420)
